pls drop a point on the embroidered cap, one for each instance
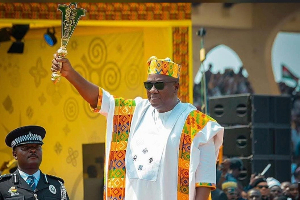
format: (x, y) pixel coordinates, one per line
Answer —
(25, 135)
(163, 66)
(229, 184)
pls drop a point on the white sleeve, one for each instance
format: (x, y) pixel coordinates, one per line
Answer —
(207, 142)
(206, 171)
(107, 102)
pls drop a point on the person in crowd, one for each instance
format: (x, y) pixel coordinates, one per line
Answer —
(218, 194)
(296, 176)
(293, 191)
(230, 171)
(28, 182)
(253, 179)
(275, 188)
(230, 189)
(285, 187)
(254, 194)
(170, 147)
(282, 197)
(262, 185)
(295, 128)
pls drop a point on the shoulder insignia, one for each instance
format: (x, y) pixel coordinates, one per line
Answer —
(54, 177)
(5, 176)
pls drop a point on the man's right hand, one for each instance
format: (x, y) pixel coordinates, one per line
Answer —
(254, 177)
(61, 65)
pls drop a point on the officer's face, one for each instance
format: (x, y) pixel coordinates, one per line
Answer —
(29, 156)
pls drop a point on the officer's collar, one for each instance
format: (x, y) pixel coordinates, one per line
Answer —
(36, 175)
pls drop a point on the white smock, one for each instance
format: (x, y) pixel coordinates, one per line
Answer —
(153, 148)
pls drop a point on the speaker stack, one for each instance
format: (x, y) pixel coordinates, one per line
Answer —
(257, 130)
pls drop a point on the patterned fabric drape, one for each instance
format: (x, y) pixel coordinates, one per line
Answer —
(100, 11)
(181, 56)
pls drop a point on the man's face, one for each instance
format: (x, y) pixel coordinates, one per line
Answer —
(162, 99)
(293, 190)
(236, 172)
(263, 188)
(29, 156)
(285, 186)
(275, 191)
(231, 193)
(254, 195)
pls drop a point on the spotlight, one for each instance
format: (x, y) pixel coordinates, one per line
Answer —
(18, 32)
(50, 37)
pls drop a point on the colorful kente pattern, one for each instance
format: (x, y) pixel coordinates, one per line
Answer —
(163, 66)
(124, 110)
(195, 122)
(116, 167)
(181, 56)
(100, 11)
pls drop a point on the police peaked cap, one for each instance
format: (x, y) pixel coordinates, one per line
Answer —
(25, 135)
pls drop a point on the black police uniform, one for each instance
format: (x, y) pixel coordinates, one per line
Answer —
(14, 187)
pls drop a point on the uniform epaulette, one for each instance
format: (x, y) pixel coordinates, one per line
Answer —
(5, 176)
(55, 177)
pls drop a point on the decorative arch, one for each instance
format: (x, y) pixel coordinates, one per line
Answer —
(223, 74)
(222, 48)
(271, 39)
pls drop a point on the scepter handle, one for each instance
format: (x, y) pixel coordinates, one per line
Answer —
(61, 53)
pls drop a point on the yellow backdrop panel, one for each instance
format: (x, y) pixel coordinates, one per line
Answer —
(114, 58)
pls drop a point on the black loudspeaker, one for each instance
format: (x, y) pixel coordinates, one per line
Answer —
(245, 141)
(257, 147)
(245, 109)
(257, 130)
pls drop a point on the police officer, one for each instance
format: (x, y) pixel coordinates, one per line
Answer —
(28, 182)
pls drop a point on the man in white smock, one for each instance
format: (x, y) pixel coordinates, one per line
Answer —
(157, 148)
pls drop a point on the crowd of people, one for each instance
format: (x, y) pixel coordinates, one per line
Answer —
(295, 137)
(229, 187)
(220, 84)
(295, 127)
(259, 187)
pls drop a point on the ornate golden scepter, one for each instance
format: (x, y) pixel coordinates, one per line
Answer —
(70, 17)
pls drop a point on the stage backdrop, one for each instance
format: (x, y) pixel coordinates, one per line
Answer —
(110, 53)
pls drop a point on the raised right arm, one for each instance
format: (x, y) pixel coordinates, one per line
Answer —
(86, 89)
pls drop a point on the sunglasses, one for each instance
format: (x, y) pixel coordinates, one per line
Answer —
(254, 196)
(263, 186)
(160, 85)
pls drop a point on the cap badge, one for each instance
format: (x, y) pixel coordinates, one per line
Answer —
(52, 189)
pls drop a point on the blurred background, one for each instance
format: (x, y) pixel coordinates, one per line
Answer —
(247, 79)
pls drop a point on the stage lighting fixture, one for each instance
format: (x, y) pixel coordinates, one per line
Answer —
(50, 37)
(18, 32)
